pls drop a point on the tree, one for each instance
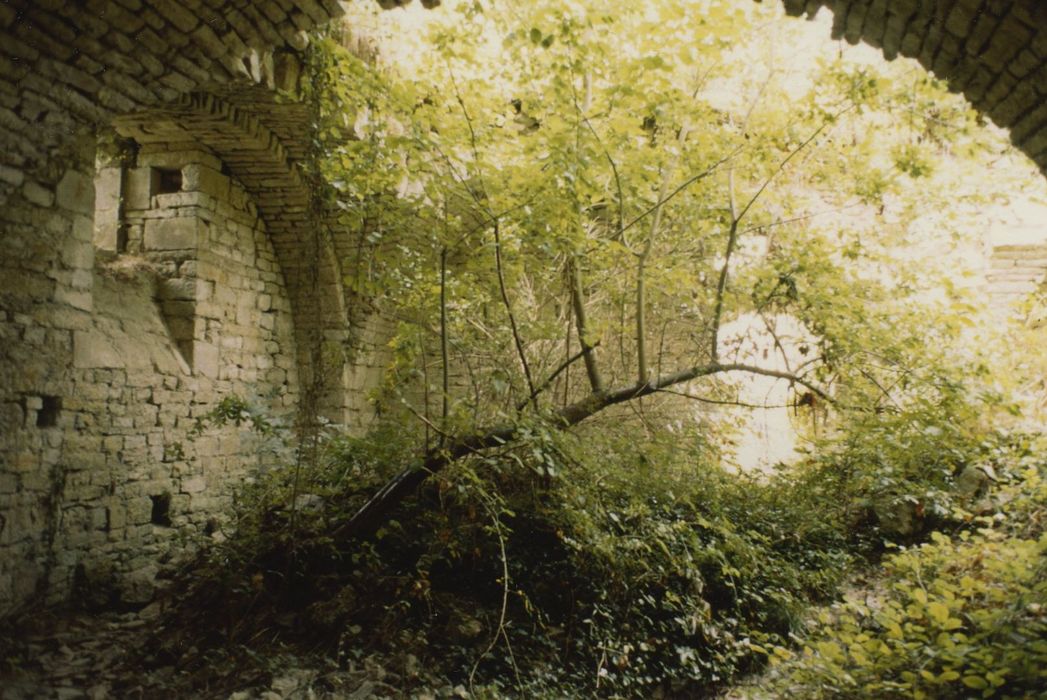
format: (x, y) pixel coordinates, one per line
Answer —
(563, 185)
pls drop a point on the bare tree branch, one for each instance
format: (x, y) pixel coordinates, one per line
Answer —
(644, 254)
(552, 377)
(377, 509)
(512, 318)
(736, 219)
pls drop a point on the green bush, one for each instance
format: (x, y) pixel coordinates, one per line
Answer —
(597, 564)
(633, 568)
(962, 616)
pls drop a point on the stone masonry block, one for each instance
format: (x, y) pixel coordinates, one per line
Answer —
(11, 176)
(200, 178)
(107, 189)
(177, 233)
(194, 484)
(178, 288)
(37, 194)
(206, 359)
(141, 184)
(76, 192)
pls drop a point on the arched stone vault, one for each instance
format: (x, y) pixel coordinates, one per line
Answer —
(258, 158)
(993, 51)
(92, 428)
(209, 68)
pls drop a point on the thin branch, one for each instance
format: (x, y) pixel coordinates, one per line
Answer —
(797, 219)
(472, 139)
(552, 377)
(781, 166)
(736, 219)
(614, 171)
(567, 352)
(722, 402)
(644, 254)
(686, 183)
(512, 318)
(425, 392)
(721, 284)
(588, 349)
(444, 355)
(500, 631)
(429, 425)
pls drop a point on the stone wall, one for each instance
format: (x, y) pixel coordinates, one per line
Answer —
(118, 329)
(1014, 272)
(192, 309)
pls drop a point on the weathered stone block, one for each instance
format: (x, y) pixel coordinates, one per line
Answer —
(107, 188)
(11, 176)
(76, 192)
(138, 587)
(141, 185)
(206, 359)
(195, 484)
(92, 349)
(179, 233)
(200, 178)
(180, 288)
(139, 510)
(38, 194)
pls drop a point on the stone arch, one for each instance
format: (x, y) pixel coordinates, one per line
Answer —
(257, 157)
(68, 67)
(65, 70)
(993, 51)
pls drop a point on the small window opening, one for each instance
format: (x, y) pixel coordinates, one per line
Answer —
(121, 238)
(170, 181)
(47, 414)
(161, 514)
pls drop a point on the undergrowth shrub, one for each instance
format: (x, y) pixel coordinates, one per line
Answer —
(895, 476)
(594, 563)
(961, 616)
(553, 566)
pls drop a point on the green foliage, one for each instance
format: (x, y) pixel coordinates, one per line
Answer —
(693, 569)
(233, 410)
(895, 471)
(566, 124)
(629, 570)
(622, 560)
(962, 616)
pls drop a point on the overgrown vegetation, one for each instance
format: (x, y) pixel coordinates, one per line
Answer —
(960, 616)
(563, 566)
(585, 244)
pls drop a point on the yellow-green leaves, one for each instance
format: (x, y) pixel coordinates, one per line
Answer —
(964, 619)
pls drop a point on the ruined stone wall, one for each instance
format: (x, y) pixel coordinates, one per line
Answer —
(95, 394)
(193, 309)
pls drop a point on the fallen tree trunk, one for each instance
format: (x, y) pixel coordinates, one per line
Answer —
(378, 508)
